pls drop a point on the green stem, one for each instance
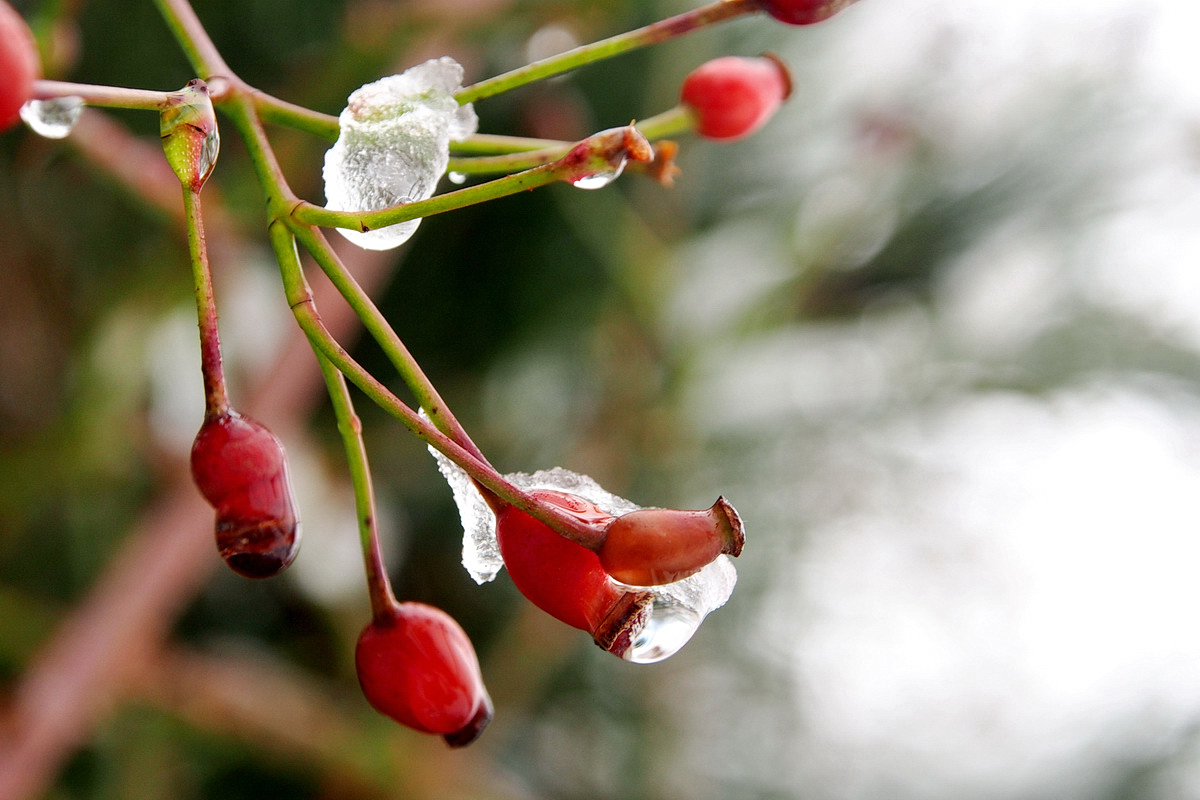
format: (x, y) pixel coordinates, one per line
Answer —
(102, 96)
(673, 122)
(196, 44)
(280, 112)
(489, 144)
(216, 398)
(373, 320)
(300, 299)
(607, 48)
(379, 587)
(601, 152)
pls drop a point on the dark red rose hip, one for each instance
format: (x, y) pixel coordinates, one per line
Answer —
(240, 468)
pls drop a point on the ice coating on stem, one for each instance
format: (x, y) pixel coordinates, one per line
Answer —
(676, 609)
(54, 118)
(394, 145)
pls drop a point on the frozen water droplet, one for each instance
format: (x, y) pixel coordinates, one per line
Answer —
(481, 553)
(457, 178)
(394, 145)
(53, 118)
(678, 609)
(599, 180)
(209, 151)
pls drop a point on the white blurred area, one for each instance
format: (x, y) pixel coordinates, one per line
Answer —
(972, 512)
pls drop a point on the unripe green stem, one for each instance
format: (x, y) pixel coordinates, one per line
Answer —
(379, 586)
(654, 33)
(300, 299)
(373, 320)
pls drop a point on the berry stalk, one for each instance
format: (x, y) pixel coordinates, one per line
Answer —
(102, 96)
(216, 396)
(599, 153)
(653, 33)
(300, 299)
(376, 324)
(379, 587)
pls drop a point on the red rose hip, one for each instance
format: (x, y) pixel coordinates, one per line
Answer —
(803, 12)
(416, 665)
(240, 468)
(732, 97)
(564, 578)
(655, 546)
(20, 65)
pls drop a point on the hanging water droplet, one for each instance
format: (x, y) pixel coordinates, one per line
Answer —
(394, 145)
(598, 180)
(678, 609)
(457, 178)
(53, 118)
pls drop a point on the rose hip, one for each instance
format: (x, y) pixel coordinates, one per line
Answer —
(803, 12)
(240, 468)
(416, 665)
(655, 546)
(732, 97)
(20, 65)
(565, 579)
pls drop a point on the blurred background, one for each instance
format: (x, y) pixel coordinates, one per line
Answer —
(935, 332)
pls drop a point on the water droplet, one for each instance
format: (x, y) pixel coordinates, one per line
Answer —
(599, 180)
(678, 609)
(394, 145)
(53, 118)
(457, 178)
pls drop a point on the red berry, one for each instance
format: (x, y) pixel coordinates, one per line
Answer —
(732, 97)
(240, 468)
(20, 65)
(655, 546)
(417, 666)
(803, 12)
(566, 580)
(559, 576)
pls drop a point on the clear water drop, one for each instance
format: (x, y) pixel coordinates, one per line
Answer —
(394, 145)
(599, 180)
(457, 178)
(678, 609)
(53, 118)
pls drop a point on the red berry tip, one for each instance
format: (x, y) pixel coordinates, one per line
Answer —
(803, 12)
(656, 546)
(20, 65)
(732, 97)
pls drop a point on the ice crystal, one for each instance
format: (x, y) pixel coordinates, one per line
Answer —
(394, 145)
